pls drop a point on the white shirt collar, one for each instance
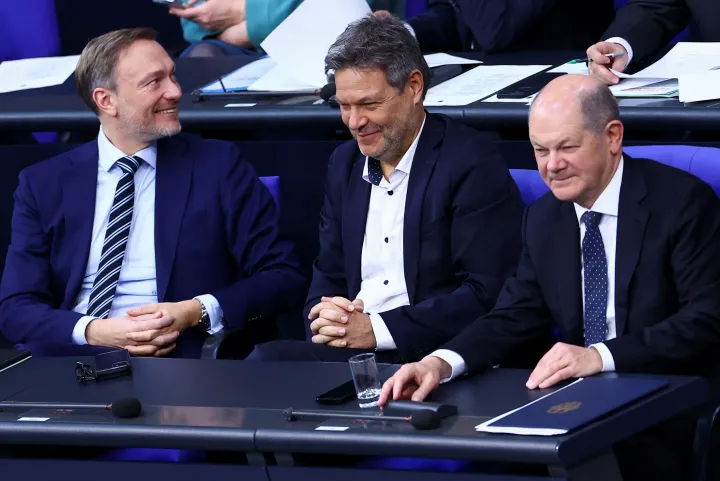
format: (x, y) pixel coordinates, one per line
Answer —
(109, 154)
(406, 161)
(609, 200)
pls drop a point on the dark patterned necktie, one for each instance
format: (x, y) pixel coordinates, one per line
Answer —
(595, 280)
(374, 171)
(116, 237)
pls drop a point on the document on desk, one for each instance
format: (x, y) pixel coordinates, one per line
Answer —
(242, 78)
(301, 42)
(578, 68)
(698, 87)
(33, 73)
(478, 83)
(684, 58)
(573, 406)
(440, 59)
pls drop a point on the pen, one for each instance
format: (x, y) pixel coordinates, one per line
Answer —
(587, 59)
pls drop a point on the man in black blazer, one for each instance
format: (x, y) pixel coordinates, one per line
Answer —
(643, 27)
(494, 26)
(623, 256)
(421, 221)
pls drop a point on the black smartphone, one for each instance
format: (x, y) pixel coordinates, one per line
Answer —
(527, 87)
(170, 3)
(338, 395)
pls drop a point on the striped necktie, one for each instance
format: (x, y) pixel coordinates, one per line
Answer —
(116, 237)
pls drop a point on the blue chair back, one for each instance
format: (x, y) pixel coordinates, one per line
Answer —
(28, 29)
(703, 162)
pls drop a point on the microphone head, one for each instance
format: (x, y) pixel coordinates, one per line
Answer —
(126, 408)
(327, 92)
(425, 419)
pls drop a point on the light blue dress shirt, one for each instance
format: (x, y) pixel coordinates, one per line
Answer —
(137, 285)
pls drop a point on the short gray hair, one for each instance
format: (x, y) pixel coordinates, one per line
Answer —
(96, 67)
(382, 42)
(598, 107)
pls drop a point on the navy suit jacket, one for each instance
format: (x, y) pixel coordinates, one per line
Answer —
(495, 26)
(216, 232)
(461, 237)
(667, 279)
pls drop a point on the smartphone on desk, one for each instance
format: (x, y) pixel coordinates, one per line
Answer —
(528, 86)
(338, 395)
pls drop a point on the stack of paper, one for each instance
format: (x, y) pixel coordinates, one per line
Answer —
(33, 73)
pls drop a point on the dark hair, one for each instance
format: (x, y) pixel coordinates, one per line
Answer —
(382, 42)
(96, 67)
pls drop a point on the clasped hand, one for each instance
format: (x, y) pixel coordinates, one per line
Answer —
(338, 322)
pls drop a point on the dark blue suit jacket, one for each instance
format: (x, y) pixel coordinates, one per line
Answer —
(495, 26)
(461, 236)
(216, 232)
(667, 279)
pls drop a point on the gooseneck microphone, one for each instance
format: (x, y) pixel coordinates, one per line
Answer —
(422, 419)
(122, 408)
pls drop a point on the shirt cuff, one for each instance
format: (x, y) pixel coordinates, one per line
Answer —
(383, 338)
(214, 311)
(606, 355)
(78, 333)
(412, 30)
(457, 363)
(626, 45)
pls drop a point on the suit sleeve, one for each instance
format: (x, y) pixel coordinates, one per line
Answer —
(649, 25)
(695, 262)
(437, 29)
(517, 321)
(270, 279)
(329, 278)
(27, 313)
(485, 245)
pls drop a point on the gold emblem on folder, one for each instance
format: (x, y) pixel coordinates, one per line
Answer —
(564, 407)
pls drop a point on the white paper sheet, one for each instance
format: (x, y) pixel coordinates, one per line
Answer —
(697, 87)
(277, 80)
(484, 427)
(243, 77)
(478, 83)
(301, 42)
(438, 59)
(572, 68)
(32, 73)
(684, 58)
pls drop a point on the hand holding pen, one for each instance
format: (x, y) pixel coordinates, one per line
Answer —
(604, 56)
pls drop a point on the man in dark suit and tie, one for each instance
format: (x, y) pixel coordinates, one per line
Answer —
(623, 256)
(421, 220)
(142, 239)
(643, 27)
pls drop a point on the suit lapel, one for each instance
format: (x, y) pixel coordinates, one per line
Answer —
(172, 186)
(354, 219)
(422, 167)
(79, 185)
(632, 219)
(568, 259)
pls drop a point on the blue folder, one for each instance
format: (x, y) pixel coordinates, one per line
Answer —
(573, 406)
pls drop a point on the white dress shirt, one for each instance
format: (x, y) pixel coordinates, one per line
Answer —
(383, 286)
(607, 204)
(137, 284)
(626, 45)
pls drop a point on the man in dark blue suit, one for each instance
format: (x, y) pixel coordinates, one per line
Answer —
(421, 220)
(143, 239)
(623, 257)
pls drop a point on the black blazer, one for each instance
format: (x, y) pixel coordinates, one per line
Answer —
(667, 279)
(461, 237)
(494, 26)
(648, 25)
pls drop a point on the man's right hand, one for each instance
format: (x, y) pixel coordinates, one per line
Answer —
(415, 381)
(113, 332)
(601, 65)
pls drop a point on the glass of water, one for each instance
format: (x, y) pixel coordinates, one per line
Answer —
(367, 379)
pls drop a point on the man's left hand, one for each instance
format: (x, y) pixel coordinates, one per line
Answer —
(355, 333)
(562, 362)
(186, 314)
(213, 15)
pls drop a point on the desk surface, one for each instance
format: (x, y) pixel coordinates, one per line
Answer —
(59, 108)
(236, 405)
